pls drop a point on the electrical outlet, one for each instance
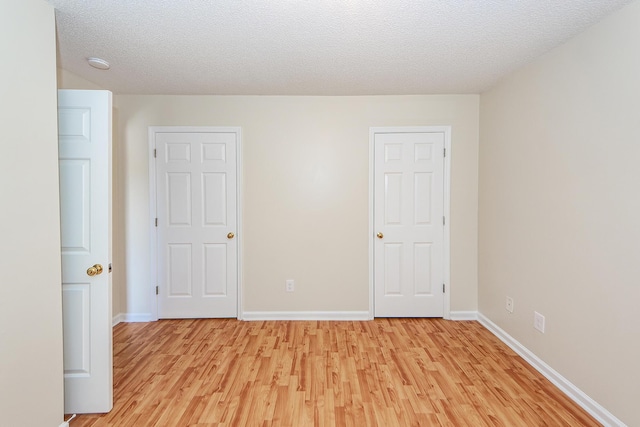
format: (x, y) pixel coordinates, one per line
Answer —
(538, 321)
(289, 285)
(509, 305)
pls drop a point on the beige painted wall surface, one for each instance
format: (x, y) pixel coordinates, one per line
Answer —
(31, 385)
(305, 191)
(69, 80)
(560, 207)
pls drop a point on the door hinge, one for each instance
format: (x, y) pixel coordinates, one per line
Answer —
(445, 152)
(156, 290)
(443, 288)
(443, 221)
(155, 153)
(156, 222)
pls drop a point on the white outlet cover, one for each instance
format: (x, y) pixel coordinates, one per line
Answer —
(509, 305)
(289, 285)
(538, 321)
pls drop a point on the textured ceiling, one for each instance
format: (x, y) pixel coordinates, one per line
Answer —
(313, 47)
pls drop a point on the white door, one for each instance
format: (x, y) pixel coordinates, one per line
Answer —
(84, 129)
(196, 205)
(408, 224)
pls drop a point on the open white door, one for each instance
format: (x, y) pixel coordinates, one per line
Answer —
(408, 220)
(84, 129)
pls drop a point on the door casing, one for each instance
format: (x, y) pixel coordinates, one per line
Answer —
(447, 208)
(153, 241)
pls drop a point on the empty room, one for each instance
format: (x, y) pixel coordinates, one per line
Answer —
(320, 213)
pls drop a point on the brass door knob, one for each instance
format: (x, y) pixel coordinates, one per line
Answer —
(380, 235)
(95, 270)
(230, 236)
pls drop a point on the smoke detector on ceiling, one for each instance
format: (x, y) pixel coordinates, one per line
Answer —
(98, 63)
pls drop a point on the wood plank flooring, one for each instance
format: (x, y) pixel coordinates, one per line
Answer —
(386, 372)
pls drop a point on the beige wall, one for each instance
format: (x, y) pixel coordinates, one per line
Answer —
(31, 385)
(69, 80)
(560, 206)
(305, 191)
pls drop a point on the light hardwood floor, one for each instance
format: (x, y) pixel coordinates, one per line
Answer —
(386, 372)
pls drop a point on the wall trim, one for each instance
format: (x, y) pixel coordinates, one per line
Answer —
(574, 393)
(306, 315)
(132, 318)
(290, 315)
(118, 318)
(464, 315)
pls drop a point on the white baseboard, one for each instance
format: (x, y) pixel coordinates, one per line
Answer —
(118, 318)
(132, 317)
(463, 315)
(306, 315)
(588, 404)
(334, 315)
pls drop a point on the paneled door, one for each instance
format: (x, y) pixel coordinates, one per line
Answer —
(408, 218)
(196, 205)
(84, 135)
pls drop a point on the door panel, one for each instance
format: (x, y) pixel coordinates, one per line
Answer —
(408, 212)
(84, 134)
(196, 180)
(422, 267)
(179, 267)
(77, 338)
(422, 197)
(214, 196)
(215, 270)
(393, 198)
(179, 199)
(75, 205)
(393, 262)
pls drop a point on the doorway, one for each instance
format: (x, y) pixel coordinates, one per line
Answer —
(195, 188)
(409, 221)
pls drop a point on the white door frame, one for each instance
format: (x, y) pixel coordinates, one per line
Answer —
(447, 209)
(153, 240)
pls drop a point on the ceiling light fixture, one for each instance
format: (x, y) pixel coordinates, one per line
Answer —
(98, 63)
